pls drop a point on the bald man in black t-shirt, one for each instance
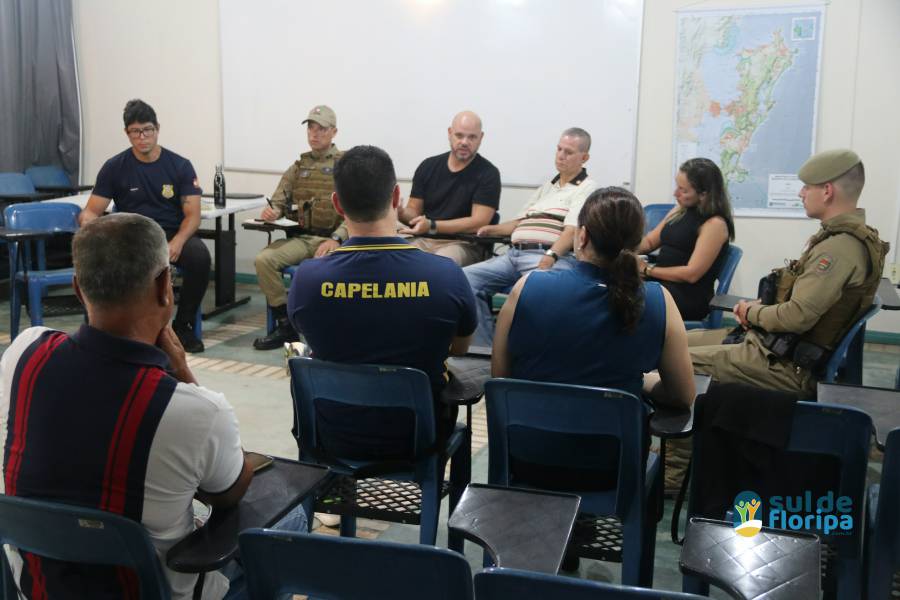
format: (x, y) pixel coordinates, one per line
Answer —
(454, 192)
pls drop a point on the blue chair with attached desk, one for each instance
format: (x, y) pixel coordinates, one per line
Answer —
(48, 176)
(512, 584)
(405, 489)
(882, 550)
(54, 180)
(17, 187)
(54, 217)
(321, 566)
(560, 426)
(714, 319)
(654, 213)
(80, 535)
(845, 364)
(16, 183)
(837, 438)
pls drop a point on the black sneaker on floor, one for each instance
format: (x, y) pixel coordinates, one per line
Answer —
(187, 338)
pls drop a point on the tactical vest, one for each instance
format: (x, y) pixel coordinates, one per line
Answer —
(310, 200)
(854, 302)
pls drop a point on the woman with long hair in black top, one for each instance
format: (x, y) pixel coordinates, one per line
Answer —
(693, 238)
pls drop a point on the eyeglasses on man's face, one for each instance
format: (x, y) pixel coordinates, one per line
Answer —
(139, 132)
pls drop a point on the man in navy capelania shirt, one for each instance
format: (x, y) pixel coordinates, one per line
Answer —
(150, 180)
(378, 299)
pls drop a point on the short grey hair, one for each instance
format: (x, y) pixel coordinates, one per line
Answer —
(585, 143)
(117, 256)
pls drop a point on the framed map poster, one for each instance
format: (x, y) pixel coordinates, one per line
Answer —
(746, 92)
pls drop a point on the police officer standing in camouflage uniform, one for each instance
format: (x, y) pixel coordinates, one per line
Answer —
(817, 297)
(304, 195)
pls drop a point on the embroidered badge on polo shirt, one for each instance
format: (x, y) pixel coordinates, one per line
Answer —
(168, 191)
(824, 264)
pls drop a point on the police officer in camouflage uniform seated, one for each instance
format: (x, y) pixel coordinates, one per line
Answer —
(303, 195)
(817, 297)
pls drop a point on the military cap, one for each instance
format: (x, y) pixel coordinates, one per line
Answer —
(827, 166)
(322, 115)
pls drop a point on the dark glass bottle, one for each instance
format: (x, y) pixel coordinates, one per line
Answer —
(219, 188)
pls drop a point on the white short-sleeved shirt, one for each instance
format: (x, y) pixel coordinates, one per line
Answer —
(196, 444)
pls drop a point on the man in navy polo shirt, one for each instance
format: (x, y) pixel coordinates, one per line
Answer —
(393, 303)
(155, 182)
(112, 418)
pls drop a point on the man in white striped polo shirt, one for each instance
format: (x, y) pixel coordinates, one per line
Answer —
(542, 233)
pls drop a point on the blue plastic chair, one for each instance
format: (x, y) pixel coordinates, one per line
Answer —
(848, 354)
(513, 584)
(16, 183)
(654, 213)
(81, 535)
(59, 217)
(714, 319)
(321, 566)
(53, 180)
(523, 415)
(882, 547)
(382, 386)
(48, 176)
(825, 429)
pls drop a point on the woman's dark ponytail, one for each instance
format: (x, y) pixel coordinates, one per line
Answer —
(614, 220)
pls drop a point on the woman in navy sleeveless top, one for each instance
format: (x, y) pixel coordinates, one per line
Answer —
(693, 238)
(597, 324)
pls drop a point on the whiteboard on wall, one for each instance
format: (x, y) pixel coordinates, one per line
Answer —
(396, 71)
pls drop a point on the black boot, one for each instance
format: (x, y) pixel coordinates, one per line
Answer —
(283, 332)
(189, 340)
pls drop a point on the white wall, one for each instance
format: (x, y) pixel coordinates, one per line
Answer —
(857, 100)
(167, 53)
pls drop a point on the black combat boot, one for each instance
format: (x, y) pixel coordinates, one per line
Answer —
(283, 332)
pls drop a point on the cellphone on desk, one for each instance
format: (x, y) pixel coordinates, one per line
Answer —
(258, 461)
